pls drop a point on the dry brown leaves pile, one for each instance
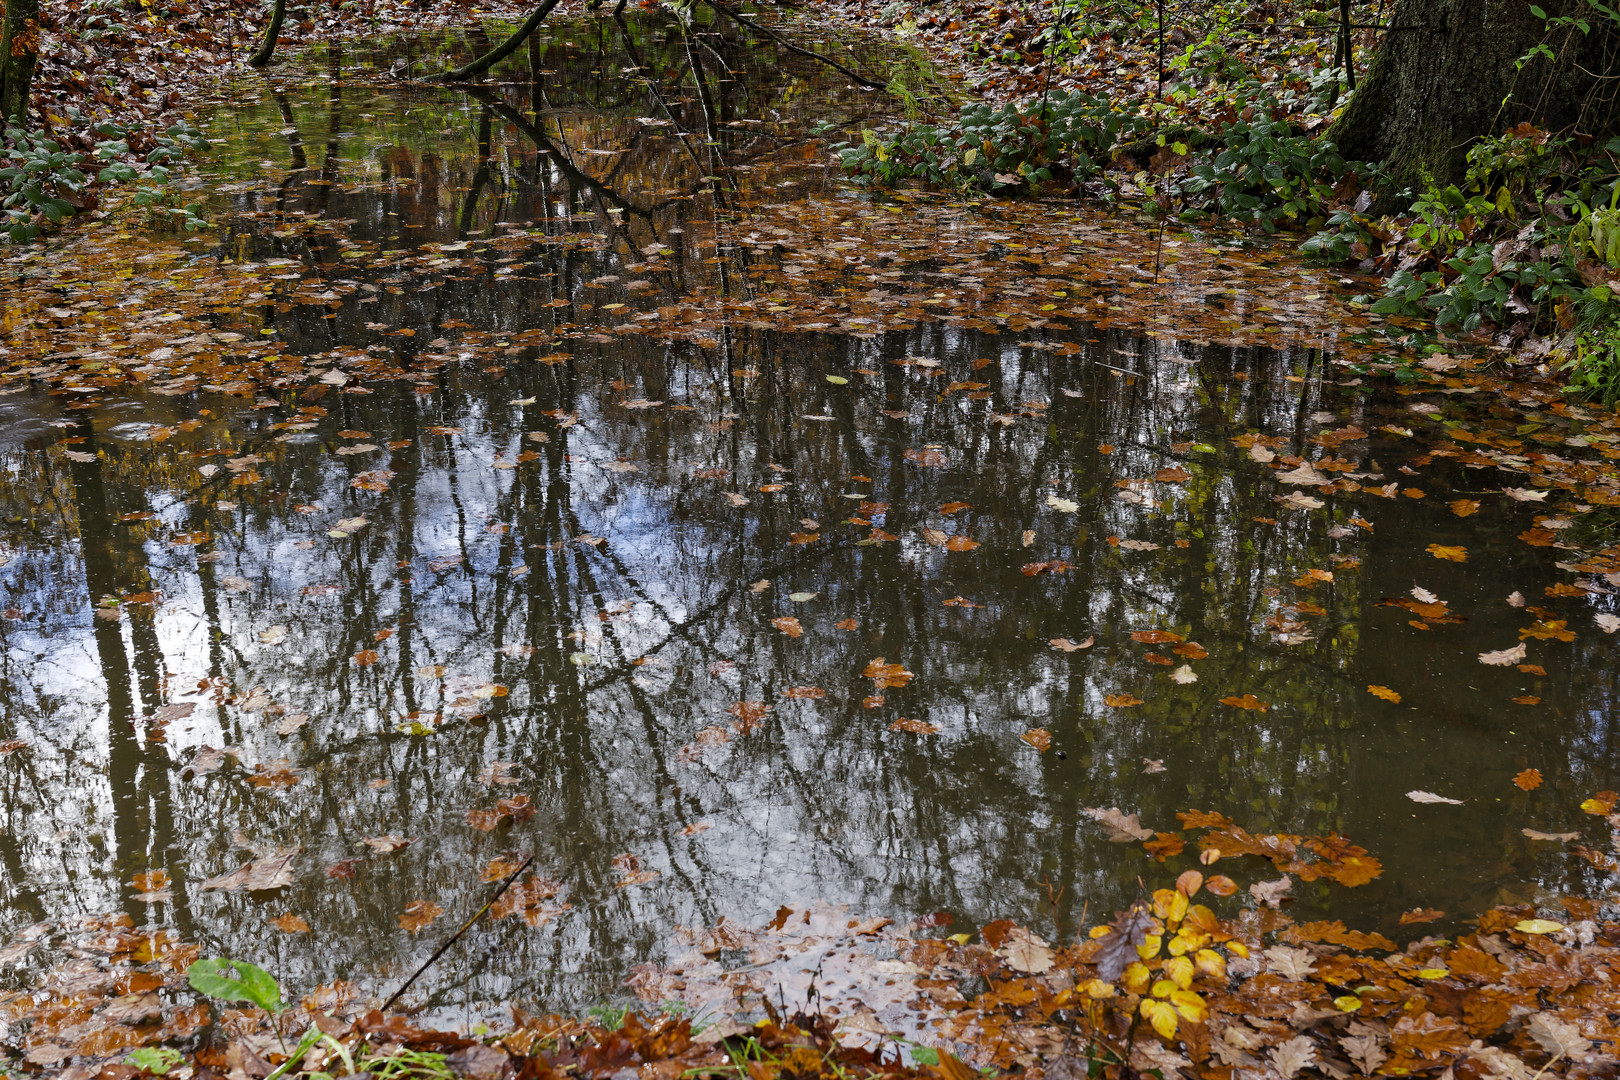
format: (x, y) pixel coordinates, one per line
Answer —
(1253, 994)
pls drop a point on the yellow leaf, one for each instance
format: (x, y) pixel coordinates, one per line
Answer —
(1136, 978)
(1433, 973)
(1150, 946)
(1096, 988)
(1162, 988)
(1538, 926)
(1189, 1005)
(1385, 692)
(1211, 963)
(1237, 948)
(1348, 1003)
(961, 939)
(1449, 552)
(1170, 905)
(1161, 1016)
(1180, 969)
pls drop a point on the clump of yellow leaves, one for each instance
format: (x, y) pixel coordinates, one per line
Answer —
(1177, 948)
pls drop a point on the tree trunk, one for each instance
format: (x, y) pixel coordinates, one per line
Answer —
(19, 51)
(271, 34)
(1446, 75)
(503, 50)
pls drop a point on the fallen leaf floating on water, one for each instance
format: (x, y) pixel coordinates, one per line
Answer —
(1421, 915)
(1120, 701)
(497, 773)
(1504, 657)
(272, 871)
(915, 727)
(1184, 675)
(1430, 797)
(290, 924)
(507, 811)
(1067, 506)
(1601, 804)
(1151, 766)
(501, 867)
(1304, 476)
(631, 871)
(885, 675)
(1039, 738)
(1525, 494)
(273, 635)
(389, 844)
(1272, 893)
(419, 915)
(788, 625)
(1385, 692)
(928, 457)
(1122, 828)
(152, 887)
(1607, 623)
(529, 900)
(1558, 837)
(1528, 780)
(1449, 552)
(1065, 645)
(1156, 637)
(1247, 701)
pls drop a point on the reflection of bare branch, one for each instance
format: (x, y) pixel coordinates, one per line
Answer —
(790, 47)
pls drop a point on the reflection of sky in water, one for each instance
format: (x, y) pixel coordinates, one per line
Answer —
(823, 800)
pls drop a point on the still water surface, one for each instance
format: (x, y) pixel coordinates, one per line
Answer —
(451, 549)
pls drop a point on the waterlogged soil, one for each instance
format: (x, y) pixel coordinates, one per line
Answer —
(573, 467)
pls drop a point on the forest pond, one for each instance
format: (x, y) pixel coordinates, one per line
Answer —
(494, 477)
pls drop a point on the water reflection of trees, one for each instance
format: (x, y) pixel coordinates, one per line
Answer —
(495, 574)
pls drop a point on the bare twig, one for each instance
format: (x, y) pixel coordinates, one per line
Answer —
(790, 47)
(457, 935)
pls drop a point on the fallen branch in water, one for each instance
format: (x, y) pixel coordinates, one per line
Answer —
(507, 884)
(790, 47)
(501, 51)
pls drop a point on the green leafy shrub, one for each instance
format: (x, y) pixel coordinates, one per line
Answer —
(1071, 135)
(39, 177)
(1266, 175)
(44, 181)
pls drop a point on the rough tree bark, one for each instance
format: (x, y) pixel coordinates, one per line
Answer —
(1446, 74)
(272, 33)
(501, 51)
(19, 51)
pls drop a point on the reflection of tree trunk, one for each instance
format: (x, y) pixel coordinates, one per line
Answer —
(124, 756)
(469, 205)
(289, 126)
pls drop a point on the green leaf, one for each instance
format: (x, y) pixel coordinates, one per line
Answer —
(157, 1060)
(251, 984)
